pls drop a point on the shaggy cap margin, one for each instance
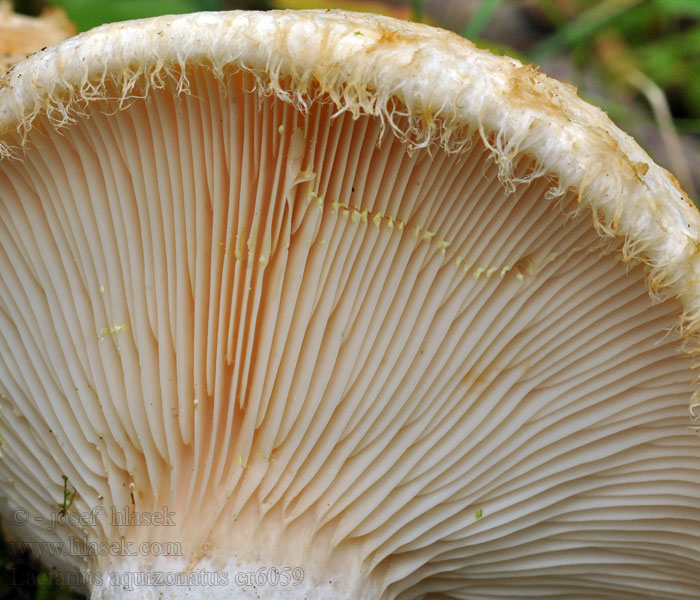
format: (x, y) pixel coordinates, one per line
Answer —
(429, 86)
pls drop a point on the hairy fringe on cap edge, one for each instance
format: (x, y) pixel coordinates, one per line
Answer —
(420, 122)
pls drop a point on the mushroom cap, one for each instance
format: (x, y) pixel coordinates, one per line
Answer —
(347, 294)
(21, 35)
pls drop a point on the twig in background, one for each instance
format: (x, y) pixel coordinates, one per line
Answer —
(664, 120)
(616, 58)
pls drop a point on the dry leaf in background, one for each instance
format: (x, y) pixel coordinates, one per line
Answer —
(21, 35)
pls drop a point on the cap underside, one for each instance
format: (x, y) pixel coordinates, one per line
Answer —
(318, 346)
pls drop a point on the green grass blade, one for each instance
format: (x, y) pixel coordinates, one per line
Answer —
(584, 26)
(480, 18)
(417, 10)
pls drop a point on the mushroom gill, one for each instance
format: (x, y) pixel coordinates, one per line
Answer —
(387, 347)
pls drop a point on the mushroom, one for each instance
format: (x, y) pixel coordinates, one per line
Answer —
(324, 305)
(21, 35)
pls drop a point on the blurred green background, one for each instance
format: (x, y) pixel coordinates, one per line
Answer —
(639, 60)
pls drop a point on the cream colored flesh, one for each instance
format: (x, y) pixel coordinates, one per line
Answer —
(322, 350)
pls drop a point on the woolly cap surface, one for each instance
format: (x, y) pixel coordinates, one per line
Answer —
(342, 294)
